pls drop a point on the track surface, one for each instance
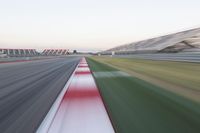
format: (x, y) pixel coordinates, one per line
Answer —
(186, 57)
(27, 91)
(24, 59)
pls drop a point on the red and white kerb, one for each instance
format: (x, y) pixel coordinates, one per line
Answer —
(82, 109)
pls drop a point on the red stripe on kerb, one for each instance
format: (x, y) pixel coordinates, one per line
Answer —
(82, 72)
(82, 109)
(83, 93)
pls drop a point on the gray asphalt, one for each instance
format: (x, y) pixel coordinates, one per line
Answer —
(184, 57)
(28, 89)
(11, 59)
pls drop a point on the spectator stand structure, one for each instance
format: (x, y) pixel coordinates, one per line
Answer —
(178, 42)
(19, 52)
(55, 52)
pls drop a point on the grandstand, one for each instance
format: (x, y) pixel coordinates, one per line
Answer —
(182, 41)
(55, 52)
(19, 52)
(5, 52)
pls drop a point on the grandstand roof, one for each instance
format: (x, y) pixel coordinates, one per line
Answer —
(192, 37)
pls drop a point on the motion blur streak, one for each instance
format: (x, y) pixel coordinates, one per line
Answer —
(28, 89)
(82, 109)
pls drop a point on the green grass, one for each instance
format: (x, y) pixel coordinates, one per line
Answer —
(136, 106)
(179, 73)
(180, 77)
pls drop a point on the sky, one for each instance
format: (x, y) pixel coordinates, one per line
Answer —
(91, 25)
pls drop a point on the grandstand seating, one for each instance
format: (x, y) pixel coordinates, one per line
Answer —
(55, 52)
(32, 52)
(181, 41)
(19, 52)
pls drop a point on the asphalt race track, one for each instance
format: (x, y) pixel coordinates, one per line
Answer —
(28, 89)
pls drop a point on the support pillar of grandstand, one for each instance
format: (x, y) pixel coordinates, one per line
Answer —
(8, 52)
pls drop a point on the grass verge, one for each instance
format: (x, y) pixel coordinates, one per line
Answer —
(136, 106)
(179, 77)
